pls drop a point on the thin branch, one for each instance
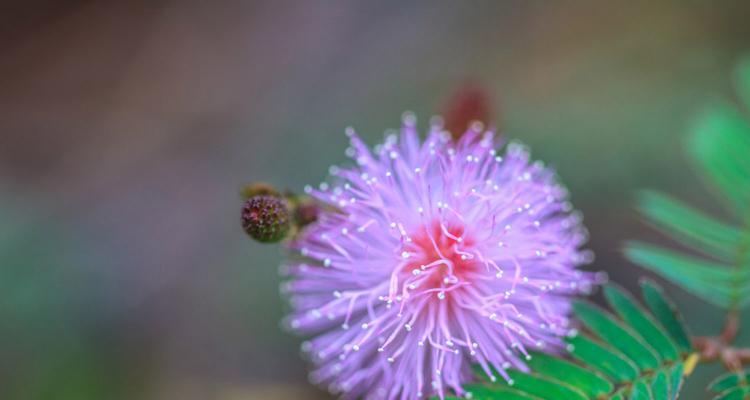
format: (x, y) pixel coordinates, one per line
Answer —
(731, 327)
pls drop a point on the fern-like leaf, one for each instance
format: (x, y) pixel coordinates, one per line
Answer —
(731, 386)
(633, 352)
(720, 147)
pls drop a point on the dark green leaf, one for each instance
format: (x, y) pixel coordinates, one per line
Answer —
(588, 382)
(617, 335)
(631, 312)
(666, 313)
(660, 386)
(544, 387)
(732, 386)
(738, 393)
(676, 378)
(480, 392)
(640, 391)
(605, 360)
(729, 380)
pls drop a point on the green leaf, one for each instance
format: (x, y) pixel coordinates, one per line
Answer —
(618, 335)
(729, 380)
(711, 281)
(731, 386)
(588, 382)
(544, 387)
(480, 392)
(719, 145)
(738, 393)
(689, 226)
(641, 391)
(637, 354)
(634, 315)
(660, 386)
(666, 313)
(603, 359)
(676, 379)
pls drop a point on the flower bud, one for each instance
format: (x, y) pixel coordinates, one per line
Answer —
(266, 218)
(467, 105)
(306, 213)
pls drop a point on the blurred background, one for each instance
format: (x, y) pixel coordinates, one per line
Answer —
(127, 129)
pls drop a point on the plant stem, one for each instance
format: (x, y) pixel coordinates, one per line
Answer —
(731, 327)
(713, 348)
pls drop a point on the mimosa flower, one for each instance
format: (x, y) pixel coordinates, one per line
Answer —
(430, 256)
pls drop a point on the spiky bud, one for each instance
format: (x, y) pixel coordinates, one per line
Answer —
(266, 218)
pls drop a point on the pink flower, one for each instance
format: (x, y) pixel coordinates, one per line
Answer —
(430, 257)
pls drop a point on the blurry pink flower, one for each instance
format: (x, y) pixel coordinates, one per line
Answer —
(441, 254)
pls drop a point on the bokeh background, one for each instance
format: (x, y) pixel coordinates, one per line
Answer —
(127, 129)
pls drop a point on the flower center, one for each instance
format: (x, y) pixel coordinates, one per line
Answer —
(438, 261)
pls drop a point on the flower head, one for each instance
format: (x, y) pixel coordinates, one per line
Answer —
(266, 218)
(430, 257)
